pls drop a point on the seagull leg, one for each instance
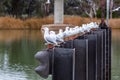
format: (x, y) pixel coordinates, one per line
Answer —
(71, 38)
(49, 46)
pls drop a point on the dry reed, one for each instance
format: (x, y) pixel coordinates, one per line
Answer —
(10, 23)
(36, 23)
(115, 23)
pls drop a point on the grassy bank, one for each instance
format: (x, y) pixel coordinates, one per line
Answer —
(36, 23)
(33, 23)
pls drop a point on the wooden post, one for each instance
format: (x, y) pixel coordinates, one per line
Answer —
(102, 11)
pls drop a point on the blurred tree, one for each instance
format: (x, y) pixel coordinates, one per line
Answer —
(36, 8)
(17, 7)
(1, 7)
(40, 8)
(6, 7)
(111, 8)
(114, 4)
(90, 7)
(31, 8)
(72, 7)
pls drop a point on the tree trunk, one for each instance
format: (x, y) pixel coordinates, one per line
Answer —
(94, 10)
(90, 13)
(111, 7)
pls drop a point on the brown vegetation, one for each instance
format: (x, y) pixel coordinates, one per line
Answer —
(76, 20)
(36, 23)
(115, 23)
(10, 23)
(33, 23)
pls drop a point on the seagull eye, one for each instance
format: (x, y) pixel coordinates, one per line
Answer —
(42, 30)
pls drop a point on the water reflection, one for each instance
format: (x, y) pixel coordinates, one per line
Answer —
(17, 49)
(116, 55)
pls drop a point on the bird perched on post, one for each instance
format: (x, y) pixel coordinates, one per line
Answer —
(66, 32)
(60, 36)
(81, 30)
(50, 38)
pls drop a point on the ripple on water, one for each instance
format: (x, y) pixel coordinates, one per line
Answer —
(115, 77)
(12, 75)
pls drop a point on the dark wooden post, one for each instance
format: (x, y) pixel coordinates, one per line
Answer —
(103, 11)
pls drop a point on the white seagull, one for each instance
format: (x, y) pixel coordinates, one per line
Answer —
(81, 30)
(70, 32)
(66, 32)
(76, 30)
(50, 38)
(84, 27)
(60, 36)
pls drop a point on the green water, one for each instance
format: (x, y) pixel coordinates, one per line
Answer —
(116, 55)
(17, 50)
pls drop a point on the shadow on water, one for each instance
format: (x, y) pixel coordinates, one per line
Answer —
(17, 49)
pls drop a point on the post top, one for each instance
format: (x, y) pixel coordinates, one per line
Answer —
(48, 2)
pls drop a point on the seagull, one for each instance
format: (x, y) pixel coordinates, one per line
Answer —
(96, 25)
(93, 25)
(66, 32)
(53, 37)
(60, 36)
(50, 38)
(46, 33)
(84, 27)
(70, 32)
(76, 29)
(81, 30)
(88, 27)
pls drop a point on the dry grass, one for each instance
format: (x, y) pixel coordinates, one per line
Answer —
(115, 23)
(10, 23)
(76, 20)
(36, 23)
(33, 23)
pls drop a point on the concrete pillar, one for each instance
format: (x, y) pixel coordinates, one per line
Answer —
(58, 11)
(108, 11)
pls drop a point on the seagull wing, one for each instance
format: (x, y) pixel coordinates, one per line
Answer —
(47, 39)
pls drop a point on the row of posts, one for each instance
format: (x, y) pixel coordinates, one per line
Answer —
(87, 57)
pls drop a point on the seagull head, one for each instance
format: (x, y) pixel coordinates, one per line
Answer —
(60, 31)
(67, 28)
(45, 29)
(76, 27)
(52, 32)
